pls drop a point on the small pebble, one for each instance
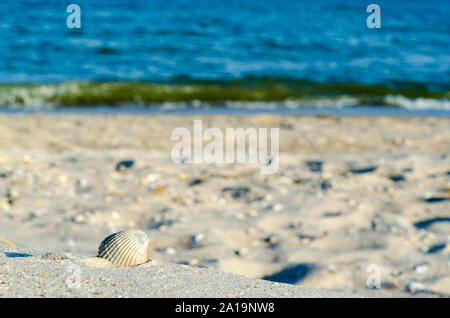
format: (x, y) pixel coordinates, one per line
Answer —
(278, 207)
(125, 164)
(414, 287)
(194, 262)
(171, 251)
(396, 273)
(421, 269)
(241, 252)
(198, 238)
(272, 240)
(159, 190)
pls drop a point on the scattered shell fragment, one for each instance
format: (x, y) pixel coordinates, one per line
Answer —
(421, 269)
(171, 251)
(151, 178)
(125, 248)
(159, 190)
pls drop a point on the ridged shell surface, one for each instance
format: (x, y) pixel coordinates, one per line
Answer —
(126, 248)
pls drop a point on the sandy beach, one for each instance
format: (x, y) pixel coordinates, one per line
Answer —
(28, 273)
(350, 192)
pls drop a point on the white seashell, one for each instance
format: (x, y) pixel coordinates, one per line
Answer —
(126, 248)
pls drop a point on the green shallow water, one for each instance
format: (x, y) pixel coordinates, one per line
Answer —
(87, 94)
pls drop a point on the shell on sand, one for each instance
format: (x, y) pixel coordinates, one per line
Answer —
(126, 248)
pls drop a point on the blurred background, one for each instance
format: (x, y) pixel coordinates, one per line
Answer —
(292, 54)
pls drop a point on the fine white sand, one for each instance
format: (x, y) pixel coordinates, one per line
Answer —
(350, 192)
(27, 273)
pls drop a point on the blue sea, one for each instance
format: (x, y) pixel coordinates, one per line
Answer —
(246, 54)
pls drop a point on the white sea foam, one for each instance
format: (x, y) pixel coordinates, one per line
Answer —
(418, 103)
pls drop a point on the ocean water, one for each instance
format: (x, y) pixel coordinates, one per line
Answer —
(288, 54)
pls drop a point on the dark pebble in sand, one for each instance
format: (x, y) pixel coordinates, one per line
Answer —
(272, 240)
(287, 126)
(325, 185)
(389, 285)
(315, 166)
(196, 182)
(436, 248)
(332, 214)
(426, 223)
(125, 164)
(398, 178)
(291, 274)
(436, 199)
(269, 160)
(302, 181)
(364, 170)
(237, 193)
(307, 237)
